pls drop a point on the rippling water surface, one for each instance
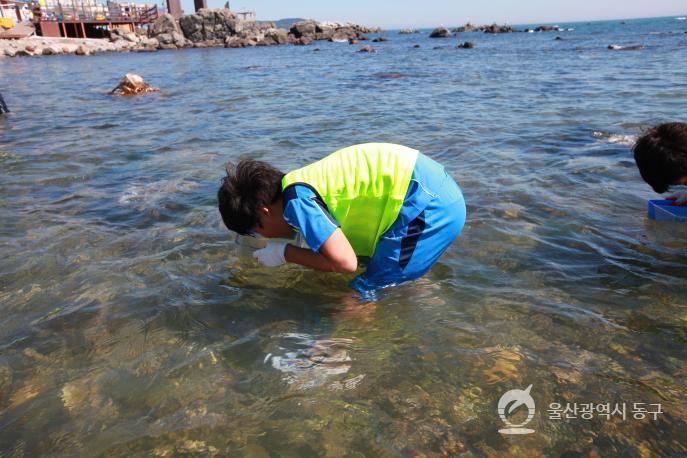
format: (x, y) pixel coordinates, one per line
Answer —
(132, 324)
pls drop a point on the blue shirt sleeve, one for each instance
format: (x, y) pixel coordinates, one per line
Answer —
(305, 211)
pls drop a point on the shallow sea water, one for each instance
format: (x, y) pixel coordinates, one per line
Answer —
(132, 324)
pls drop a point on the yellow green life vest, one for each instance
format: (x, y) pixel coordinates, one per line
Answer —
(363, 187)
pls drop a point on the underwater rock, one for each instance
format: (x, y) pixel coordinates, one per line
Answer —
(133, 84)
(6, 378)
(469, 404)
(504, 367)
(314, 362)
(367, 48)
(353, 41)
(466, 45)
(379, 40)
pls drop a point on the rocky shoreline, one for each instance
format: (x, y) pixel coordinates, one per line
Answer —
(222, 28)
(206, 28)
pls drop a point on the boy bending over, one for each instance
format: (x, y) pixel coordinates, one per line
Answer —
(378, 200)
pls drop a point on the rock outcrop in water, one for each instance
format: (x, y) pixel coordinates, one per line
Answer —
(331, 31)
(133, 84)
(440, 32)
(494, 28)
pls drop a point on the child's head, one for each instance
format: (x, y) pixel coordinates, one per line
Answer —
(248, 190)
(661, 155)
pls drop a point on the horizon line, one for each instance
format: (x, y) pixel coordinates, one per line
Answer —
(547, 22)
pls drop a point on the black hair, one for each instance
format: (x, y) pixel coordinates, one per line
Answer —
(248, 186)
(661, 155)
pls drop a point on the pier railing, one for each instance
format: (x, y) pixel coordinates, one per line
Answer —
(112, 12)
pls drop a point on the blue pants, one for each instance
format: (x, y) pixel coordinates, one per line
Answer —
(432, 216)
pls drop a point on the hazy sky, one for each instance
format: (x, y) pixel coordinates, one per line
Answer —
(431, 13)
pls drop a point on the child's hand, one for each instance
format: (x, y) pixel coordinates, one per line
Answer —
(679, 199)
(272, 255)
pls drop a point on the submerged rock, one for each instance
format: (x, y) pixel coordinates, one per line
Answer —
(548, 28)
(133, 84)
(367, 48)
(626, 48)
(379, 40)
(466, 45)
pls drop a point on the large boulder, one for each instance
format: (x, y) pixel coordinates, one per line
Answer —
(304, 29)
(548, 28)
(192, 27)
(278, 36)
(210, 24)
(164, 24)
(440, 32)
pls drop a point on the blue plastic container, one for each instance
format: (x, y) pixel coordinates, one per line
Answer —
(664, 210)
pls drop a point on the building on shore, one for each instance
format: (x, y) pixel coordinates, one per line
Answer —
(90, 18)
(82, 18)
